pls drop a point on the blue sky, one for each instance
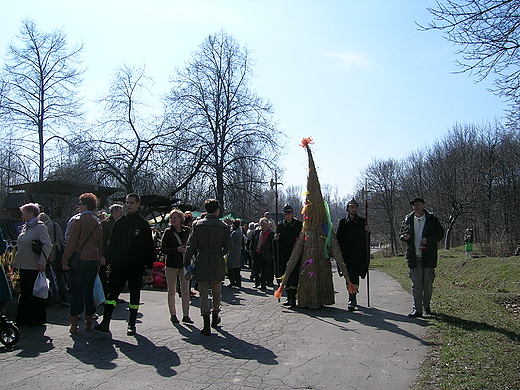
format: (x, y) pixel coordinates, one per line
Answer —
(357, 76)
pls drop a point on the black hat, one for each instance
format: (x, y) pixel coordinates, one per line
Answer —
(417, 200)
(287, 209)
(352, 202)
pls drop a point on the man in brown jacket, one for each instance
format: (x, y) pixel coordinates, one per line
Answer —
(210, 242)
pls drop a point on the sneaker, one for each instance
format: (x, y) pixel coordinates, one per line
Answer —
(415, 314)
(174, 319)
(187, 320)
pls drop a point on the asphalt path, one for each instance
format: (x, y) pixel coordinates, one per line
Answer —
(260, 344)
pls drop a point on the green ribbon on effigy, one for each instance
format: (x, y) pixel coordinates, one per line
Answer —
(328, 231)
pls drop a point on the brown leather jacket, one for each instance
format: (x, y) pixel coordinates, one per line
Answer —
(79, 233)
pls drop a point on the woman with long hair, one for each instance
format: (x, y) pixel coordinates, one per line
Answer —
(173, 245)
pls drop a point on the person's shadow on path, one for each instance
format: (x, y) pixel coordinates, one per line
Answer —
(33, 342)
(226, 344)
(368, 316)
(100, 351)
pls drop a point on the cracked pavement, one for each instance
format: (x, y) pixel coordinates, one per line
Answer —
(259, 344)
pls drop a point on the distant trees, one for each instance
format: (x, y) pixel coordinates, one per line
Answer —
(488, 35)
(39, 91)
(469, 179)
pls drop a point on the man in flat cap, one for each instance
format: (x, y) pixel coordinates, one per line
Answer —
(286, 235)
(421, 231)
(353, 235)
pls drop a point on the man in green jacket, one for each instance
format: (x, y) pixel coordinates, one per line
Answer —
(210, 242)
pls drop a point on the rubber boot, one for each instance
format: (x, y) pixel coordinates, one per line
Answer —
(215, 320)
(88, 323)
(206, 331)
(352, 302)
(131, 331)
(73, 324)
(104, 326)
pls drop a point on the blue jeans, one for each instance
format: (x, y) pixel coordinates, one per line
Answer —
(82, 277)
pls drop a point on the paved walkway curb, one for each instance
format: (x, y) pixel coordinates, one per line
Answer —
(260, 345)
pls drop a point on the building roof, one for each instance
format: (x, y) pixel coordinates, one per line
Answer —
(64, 187)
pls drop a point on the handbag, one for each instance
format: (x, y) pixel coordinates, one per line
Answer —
(37, 246)
(99, 294)
(41, 286)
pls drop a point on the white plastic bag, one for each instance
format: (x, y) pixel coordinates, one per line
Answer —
(41, 286)
(99, 294)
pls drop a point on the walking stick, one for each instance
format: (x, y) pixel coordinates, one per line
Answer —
(367, 233)
(274, 183)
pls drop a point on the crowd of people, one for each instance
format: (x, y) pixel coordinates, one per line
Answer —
(119, 250)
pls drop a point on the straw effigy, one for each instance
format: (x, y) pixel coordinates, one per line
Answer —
(315, 286)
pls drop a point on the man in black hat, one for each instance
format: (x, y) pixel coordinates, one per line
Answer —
(421, 231)
(353, 235)
(287, 233)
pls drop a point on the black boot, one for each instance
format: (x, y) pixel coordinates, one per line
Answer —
(206, 331)
(104, 326)
(292, 297)
(352, 302)
(131, 331)
(215, 320)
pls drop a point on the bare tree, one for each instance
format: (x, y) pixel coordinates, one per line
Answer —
(383, 178)
(489, 39)
(453, 183)
(134, 149)
(40, 92)
(223, 116)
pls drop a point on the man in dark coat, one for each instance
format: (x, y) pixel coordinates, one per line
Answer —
(421, 231)
(353, 235)
(210, 242)
(130, 251)
(288, 232)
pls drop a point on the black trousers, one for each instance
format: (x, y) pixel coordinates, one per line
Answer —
(262, 268)
(119, 276)
(31, 310)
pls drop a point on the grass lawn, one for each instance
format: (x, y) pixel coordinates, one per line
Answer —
(475, 331)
